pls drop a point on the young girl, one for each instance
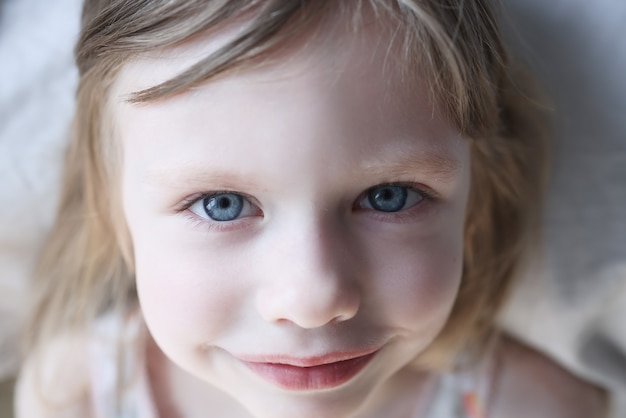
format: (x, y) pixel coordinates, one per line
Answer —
(292, 209)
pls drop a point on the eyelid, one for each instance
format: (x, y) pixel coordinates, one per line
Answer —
(426, 192)
(191, 200)
(419, 212)
(205, 221)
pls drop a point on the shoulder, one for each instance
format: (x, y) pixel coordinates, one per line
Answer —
(54, 380)
(529, 384)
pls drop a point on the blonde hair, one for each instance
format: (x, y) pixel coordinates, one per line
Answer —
(86, 267)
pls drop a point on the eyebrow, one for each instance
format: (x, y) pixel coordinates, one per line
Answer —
(439, 166)
(432, 164)
(199, 176)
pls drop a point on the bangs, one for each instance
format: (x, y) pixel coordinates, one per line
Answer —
(456, 49)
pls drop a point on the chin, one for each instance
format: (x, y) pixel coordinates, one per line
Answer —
(307, 406)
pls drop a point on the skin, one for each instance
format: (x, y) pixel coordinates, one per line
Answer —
(310, 269)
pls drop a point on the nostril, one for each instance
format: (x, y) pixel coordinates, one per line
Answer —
(341, 318)
(307, 309)
(348, 306)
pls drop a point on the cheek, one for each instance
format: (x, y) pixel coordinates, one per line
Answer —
(187, 294)
(418, 279)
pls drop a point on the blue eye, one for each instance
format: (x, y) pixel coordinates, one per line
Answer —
(390, 198)
(223, 207)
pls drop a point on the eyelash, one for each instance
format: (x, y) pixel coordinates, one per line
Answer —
(428, 196)
(212, 225)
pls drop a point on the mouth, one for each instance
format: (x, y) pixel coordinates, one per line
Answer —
(310, 374)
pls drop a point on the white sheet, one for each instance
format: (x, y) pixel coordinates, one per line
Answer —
(572, 305)
(36, 101)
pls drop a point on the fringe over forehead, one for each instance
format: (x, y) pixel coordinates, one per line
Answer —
(455, 44)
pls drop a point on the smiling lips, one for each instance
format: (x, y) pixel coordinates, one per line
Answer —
(315, 374)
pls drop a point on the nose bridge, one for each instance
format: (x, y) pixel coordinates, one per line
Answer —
(310, 281)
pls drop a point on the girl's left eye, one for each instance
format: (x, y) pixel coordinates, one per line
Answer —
(223, 207)
(390, 198)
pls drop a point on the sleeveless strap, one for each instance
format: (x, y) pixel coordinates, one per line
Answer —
(467, 393)
(119, 346)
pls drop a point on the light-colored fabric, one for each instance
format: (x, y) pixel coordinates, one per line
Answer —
(572, 305)
(37, 81)
(120, 342)
(467, 393)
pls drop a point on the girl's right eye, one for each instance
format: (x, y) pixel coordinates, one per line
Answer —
(223, 207)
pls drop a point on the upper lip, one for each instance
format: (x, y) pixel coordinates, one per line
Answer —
(310, 361)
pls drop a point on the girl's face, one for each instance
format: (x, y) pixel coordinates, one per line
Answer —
(297, 227)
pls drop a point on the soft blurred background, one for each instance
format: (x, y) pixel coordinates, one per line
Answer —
(571, 303)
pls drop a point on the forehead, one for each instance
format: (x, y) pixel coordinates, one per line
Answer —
(335, 82)
(336, 43)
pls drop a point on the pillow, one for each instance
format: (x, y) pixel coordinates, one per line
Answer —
(572, 302)
(36, 102)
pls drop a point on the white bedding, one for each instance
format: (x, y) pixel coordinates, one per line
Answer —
(571, 305)
(36, 100)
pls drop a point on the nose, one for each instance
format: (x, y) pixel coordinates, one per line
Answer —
(308, 280)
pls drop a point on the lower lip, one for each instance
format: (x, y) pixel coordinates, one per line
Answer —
(324, 376)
